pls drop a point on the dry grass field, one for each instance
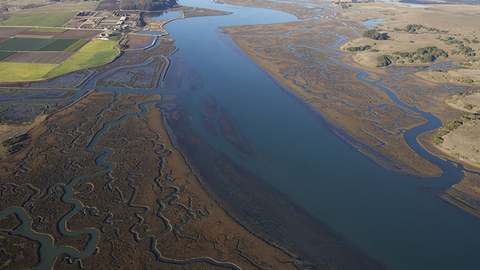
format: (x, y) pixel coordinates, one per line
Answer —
(451, 28)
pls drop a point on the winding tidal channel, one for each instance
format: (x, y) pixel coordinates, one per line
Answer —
(287, 148)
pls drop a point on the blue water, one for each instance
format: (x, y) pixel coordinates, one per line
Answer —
(151, 32)
(373, 22)
(387, 215)
(384, 213)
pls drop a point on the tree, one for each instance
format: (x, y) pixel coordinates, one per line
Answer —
(384, 60)
(374, 34)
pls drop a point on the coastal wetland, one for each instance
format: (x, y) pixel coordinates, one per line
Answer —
(104, 180)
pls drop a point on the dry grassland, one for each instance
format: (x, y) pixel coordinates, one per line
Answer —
(459, 22)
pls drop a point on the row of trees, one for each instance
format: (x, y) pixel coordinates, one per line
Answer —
(359, 48)
(424, 55)
(465, 50)
(415, 29)
(462, 49)
(147, 4)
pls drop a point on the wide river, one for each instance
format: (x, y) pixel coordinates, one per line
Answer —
(287, 148)
(387, 215)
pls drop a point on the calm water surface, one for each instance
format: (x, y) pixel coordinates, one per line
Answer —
(167, 15)
(385, 214)
(373, 22)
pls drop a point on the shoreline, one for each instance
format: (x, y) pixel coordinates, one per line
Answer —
(269, 210)
(377, 156)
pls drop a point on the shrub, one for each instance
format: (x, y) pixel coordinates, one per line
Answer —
(359, 48)
(374, 34)
(437, 140)
(383, 61)
(413, 28)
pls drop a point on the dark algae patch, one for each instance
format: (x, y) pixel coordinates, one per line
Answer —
(15, 144)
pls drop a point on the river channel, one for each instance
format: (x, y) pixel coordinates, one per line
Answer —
(388, 215)
(288, 148)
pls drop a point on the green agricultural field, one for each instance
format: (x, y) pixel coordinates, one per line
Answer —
(36, 44)
(47, 30)
(4, 55)
(39, 19)
(22, 71)
(95, 53)
(59, 45)
(24, 44)
(75, 46)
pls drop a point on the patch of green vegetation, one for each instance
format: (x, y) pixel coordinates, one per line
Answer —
(95, 53)
(454, 125)
(423, 55)
(384, 60)
(47, 30)
(374, 34)
(75, 46)
(462, 49)
(59, 45)
(25, 44)
(359, 48)
(4, 55)
(451, 41)
(40, 44)
(23, 71)
(416, 28)
(465, 50)
(468, 107)
(53, 19)
(413, 28)
(437, 140)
